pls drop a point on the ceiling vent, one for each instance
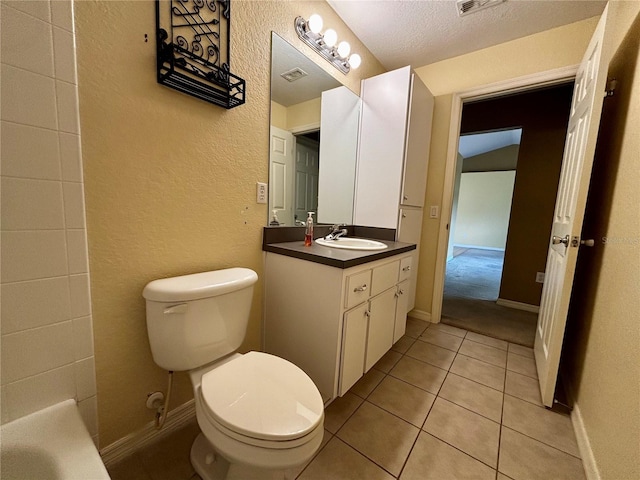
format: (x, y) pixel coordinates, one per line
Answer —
(294, 74)
(467, 7)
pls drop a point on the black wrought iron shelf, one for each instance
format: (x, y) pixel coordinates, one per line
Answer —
(193, 50)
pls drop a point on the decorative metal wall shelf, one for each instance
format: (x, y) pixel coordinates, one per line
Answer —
(193, 50)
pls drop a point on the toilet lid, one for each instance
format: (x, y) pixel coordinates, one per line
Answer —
(263, 396)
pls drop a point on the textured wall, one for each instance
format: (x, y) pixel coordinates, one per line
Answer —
(171, 180)
(494, 64)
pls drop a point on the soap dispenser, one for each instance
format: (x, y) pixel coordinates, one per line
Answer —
(274, 220)
(308, 233)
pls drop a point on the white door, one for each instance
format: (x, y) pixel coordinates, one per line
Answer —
(569, 211)
(281, 175)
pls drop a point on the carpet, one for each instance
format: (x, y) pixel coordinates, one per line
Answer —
(472, 285)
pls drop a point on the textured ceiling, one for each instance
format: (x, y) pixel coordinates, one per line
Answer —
(420, 32)
(478, 143)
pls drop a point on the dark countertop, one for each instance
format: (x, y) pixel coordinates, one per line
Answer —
(336, 257)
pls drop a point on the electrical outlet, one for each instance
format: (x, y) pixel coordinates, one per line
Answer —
(539, 277)
(433, 211)
(261, 193)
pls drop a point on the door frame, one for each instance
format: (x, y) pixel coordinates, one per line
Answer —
(515, 85)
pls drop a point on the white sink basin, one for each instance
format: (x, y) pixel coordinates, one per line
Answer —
(352, 243)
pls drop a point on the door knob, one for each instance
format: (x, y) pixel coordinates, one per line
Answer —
(588, 243)
(557, 240)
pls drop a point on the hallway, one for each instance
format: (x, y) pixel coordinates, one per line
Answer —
(472, 285)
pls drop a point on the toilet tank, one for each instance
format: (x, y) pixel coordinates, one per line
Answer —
(196, 319)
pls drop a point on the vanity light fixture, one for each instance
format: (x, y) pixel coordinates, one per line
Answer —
(310, 32)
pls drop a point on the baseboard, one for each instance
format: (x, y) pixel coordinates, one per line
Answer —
(479, 247)
(518, 305)
(420, 315)
(126, 446)
(584, 446)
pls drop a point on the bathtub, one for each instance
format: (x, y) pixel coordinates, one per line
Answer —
(51, 444)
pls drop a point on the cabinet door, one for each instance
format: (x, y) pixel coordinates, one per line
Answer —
(381, 326)
(414, 180)
(354, 337)
(385, 102)
(402, 308)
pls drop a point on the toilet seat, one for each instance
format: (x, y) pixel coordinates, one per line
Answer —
(262, 400)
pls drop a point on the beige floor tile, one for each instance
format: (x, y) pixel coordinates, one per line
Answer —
(368, 383)
(523, 365)
(403, 344)
(432, 354)
(488, 354)
(406, 401)
(546, 426)
(492, 342)
(340, 410)
(380, 436)
(130, 468)
(338, 461)
(419, 374)
(473, 434)
(524, 458)
(388, 361)
(415, 327)
(459, 332)
(479, 371)
(432, 459)
(502, 476)
(523, 387)
(520, 350)
(295, 472)
(473, 396)
(169, 457)
(441, 339)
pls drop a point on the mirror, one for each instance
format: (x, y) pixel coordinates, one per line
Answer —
(313, 141)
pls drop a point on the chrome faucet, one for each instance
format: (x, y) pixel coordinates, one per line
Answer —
(337, 231)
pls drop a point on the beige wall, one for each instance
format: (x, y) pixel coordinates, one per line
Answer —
(498, 63)
(278, 115)
(304, 115)
(604, 331)
(171, 180)
(484, 205)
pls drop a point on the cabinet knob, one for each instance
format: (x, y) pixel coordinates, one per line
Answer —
(406, 269)
(404, 215)
(404, 197)
(401, 292)
(367, 313)
(360, 289)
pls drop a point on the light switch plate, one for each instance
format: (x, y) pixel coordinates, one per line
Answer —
(539, 277)
(433, 211)
(261, 193)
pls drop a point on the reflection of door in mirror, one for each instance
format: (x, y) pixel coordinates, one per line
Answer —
(306, 177)
(281, 174)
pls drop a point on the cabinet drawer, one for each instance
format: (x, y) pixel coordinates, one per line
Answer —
(358, 288)
(405, 268)
(385, 276)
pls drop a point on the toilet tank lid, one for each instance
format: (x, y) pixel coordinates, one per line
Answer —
(199, 285)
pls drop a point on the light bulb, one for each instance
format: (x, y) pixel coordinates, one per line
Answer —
(330, 37)
(315, 23)
(355, 61)
(344, 49)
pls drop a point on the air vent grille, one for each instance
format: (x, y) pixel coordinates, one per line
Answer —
(467, 7)
(294, 74)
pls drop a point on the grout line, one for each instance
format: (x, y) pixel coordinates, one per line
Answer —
(543, 443)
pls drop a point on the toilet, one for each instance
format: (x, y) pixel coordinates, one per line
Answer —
(258, 414)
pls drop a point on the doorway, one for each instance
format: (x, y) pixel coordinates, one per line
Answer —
(472, 277)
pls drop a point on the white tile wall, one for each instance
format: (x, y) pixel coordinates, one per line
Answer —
(47, 332)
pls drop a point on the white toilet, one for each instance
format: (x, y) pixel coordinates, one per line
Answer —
(260, 412)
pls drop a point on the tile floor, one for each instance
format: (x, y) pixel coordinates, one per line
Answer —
(443, 404)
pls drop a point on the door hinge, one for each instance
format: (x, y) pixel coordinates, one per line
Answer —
(611, 88)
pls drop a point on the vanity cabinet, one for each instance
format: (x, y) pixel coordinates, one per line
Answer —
(334, 323)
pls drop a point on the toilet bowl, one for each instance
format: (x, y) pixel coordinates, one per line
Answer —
(259, 410)
(259, 414)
